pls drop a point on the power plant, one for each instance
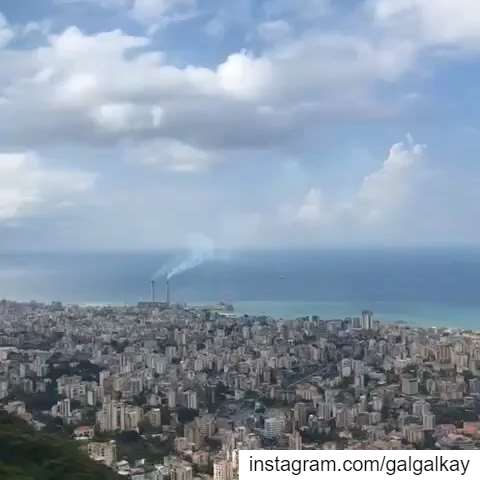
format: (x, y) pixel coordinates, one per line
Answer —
(154, 302)
(201, 251)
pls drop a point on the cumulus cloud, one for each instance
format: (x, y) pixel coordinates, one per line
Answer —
(28, 187)
(312, 67)
(382, 194)
(245, 76)
(110, 86)
(385, 190)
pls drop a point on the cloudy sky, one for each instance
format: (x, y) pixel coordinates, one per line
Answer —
(131, 124)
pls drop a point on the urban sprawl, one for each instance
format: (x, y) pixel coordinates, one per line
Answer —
(158, 391)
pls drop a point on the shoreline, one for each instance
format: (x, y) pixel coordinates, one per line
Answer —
(415, 314)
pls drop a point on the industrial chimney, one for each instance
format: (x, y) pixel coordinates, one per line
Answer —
(168, 291)
(153, 292)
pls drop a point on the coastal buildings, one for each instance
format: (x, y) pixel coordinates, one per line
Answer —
(173, 392)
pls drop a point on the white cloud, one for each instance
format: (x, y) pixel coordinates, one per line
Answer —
(153, 11)
(126, 117)
(381, 196)
(440, 22)
(245, 76)
(6, 33)
(43, 28)
(387, 189)
(313, 210)
(173, 155)
(118, 96)
(28, 187)
(115, 117)
(111, 86)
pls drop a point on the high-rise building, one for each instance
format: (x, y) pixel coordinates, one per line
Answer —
(191, 399)
(222, 469)
(206, 425)
(409, 386)
(474, 386)
(324, 410)
(420, 408)
(154, 416)
(116, 415)
(443, 353)
(429, 421)
(62, 409)
(181, 471)
(274, 427)
(300, 414)
(367, 320)
(343, 416)
(172, 398)
(414, 434)
(294, 441)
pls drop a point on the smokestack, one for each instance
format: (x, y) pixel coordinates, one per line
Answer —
(168, 291)
(153, 292)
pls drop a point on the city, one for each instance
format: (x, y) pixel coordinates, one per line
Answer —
(162, 391)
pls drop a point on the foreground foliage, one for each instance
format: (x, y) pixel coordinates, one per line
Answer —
(29, 455)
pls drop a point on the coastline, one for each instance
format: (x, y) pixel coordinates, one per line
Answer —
(419, 314)
(416, 314)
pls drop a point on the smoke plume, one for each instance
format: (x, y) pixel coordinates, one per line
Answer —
(201, 250)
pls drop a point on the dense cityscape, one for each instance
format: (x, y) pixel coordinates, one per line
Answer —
(161, 391)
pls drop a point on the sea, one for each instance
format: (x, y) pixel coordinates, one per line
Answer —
(422, 287)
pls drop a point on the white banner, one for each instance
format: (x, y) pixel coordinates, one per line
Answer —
(351, 464)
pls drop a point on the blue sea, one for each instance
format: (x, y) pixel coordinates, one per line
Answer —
(419, 286)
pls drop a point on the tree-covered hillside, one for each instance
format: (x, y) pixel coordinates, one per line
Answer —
(29, 455)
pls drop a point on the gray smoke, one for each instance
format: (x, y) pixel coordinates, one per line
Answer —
(201, 250)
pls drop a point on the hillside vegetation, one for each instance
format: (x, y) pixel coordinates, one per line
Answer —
(29, 455)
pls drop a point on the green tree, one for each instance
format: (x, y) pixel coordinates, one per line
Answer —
(29, 455)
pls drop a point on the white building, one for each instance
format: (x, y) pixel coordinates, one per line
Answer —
(104, 452)
(274, 427)
(222, 469)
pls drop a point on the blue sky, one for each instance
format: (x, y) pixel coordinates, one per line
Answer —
(133, 124)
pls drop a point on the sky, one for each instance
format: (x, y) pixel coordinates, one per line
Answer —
(141, 124)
